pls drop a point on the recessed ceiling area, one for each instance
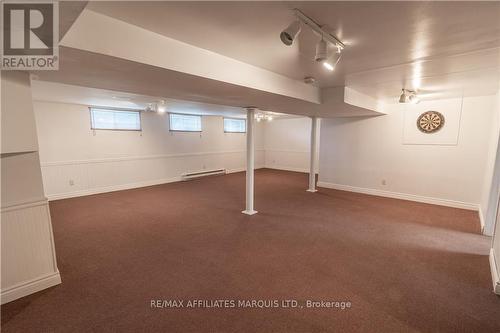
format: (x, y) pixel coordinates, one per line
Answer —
(64, 93)
(409, 45)
(378, 35)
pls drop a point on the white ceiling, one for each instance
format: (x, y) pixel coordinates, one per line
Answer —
(430, 40)
(65, 93)
(442, 49)
(96, 52)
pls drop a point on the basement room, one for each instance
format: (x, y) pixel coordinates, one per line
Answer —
(239, 166)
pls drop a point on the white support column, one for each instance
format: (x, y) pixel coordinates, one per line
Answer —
(314, 149)
(250, 163)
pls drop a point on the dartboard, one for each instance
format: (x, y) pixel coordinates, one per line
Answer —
(430, 121)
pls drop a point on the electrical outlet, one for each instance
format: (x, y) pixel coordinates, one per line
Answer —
(71, 182)
(384, 182)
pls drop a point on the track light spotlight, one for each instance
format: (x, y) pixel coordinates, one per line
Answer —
(263, 116)
(404, 97)
(408, 96)
(161, 107)
(414, 99)
(321, 51)
(288, 35)
(332, 61)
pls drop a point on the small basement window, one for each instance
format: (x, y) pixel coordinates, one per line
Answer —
(185, 122)
(115, 119)
(232, 125)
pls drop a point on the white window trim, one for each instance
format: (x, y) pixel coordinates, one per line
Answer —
(234, 119)
(185, 114)
(114, 109)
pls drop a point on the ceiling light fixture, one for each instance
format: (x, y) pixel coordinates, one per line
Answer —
(403, 98)
(288, 35)
(321, 51)
(318, 29)
(331, 62)
(408, 96)
(414, 99)
(161, 107)
(263, 116)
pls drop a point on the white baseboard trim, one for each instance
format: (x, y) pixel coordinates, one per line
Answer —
(287, 168)
(403, 196)
(243, 169)
(112, 188)
(128, 186)
(495, 275)
(26, 288)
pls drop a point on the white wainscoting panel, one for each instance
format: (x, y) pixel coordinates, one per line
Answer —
(28, 254)
(67, 179)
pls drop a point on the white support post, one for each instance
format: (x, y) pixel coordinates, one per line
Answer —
(250, 163)
(312, 164)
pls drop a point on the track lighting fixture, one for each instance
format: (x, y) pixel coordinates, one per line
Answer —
(403, 98)
(409, 96)
(288, 35)
(414, 99)
(263, 116)
(161, 107)
(331, 62)
(321, 50)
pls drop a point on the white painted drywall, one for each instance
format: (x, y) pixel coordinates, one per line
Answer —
(491, 186)
(102, 34)
(77, 161)
(287, 143)
(27, 246)
(21, 178)
(360, 153)
(18, 130)
(495, 193)
(496, 240)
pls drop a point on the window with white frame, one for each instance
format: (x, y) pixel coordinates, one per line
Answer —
(114, 119)
(232, 125)
(185, 122)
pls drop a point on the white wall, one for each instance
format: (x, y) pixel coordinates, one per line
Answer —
(360, 153)
(102, 161)
(287, 144)
(491, 187)
(494, 205)
(27, 247)
(18, 125)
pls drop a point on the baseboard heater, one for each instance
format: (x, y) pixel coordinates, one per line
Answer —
(198, 174)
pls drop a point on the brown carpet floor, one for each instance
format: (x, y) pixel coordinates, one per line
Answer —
(404, 266)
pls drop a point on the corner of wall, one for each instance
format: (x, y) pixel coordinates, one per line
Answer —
(494, 272)
(27, 244)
